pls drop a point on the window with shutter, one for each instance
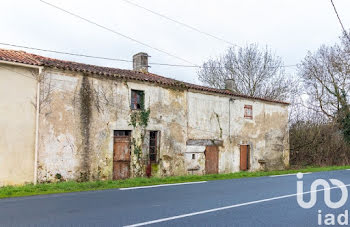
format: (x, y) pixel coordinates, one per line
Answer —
(248, 111)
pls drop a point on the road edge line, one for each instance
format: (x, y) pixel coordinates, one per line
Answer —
(289, 174)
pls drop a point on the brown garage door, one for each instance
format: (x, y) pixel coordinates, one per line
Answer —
(121, 156)
(244, 160)
(211, 159)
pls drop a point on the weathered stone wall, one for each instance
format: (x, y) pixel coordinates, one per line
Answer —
(82, 111)
(60, 142)
(266, 133)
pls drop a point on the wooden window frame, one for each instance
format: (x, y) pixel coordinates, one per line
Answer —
(137, 99)
(153, 148)
(248, 107)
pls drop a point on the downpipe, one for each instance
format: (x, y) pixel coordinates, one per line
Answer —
(36, 150)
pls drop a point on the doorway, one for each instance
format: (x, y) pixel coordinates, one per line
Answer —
(121, 154)
(211, 159)
(244, 157)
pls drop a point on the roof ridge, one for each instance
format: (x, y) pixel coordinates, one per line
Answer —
(34, 59)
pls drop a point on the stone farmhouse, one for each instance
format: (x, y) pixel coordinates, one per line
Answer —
(62, 120)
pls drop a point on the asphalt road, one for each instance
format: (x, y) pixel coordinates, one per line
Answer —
(262, 201)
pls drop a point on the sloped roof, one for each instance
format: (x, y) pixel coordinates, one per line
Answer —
(37, 60)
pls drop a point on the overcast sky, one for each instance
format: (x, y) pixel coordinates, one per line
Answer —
(288, 27)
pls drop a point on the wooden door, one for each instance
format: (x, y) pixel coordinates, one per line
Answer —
(211, 159)
(244, 160)
(121, 157)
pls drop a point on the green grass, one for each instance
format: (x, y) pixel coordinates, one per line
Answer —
(71, 186)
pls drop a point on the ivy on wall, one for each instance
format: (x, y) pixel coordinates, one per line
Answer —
(140, 117)
(139, 120)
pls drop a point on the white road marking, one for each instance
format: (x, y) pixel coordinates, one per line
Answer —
(290, 174)
(347, 169)
(227, 207)
(161, 185)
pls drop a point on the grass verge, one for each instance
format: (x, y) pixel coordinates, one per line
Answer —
(71, 186)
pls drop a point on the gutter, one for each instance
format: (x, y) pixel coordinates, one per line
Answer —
(20, 64)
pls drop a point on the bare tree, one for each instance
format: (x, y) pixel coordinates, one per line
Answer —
(254, 71)
(326, 75)
(320, 130)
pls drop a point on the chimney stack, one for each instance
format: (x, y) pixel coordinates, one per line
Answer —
(140, 62)
(229, 84)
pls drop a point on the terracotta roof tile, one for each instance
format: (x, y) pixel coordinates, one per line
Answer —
(33, 59)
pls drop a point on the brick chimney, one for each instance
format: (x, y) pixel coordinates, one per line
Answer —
(229, 84)
(140, 62)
